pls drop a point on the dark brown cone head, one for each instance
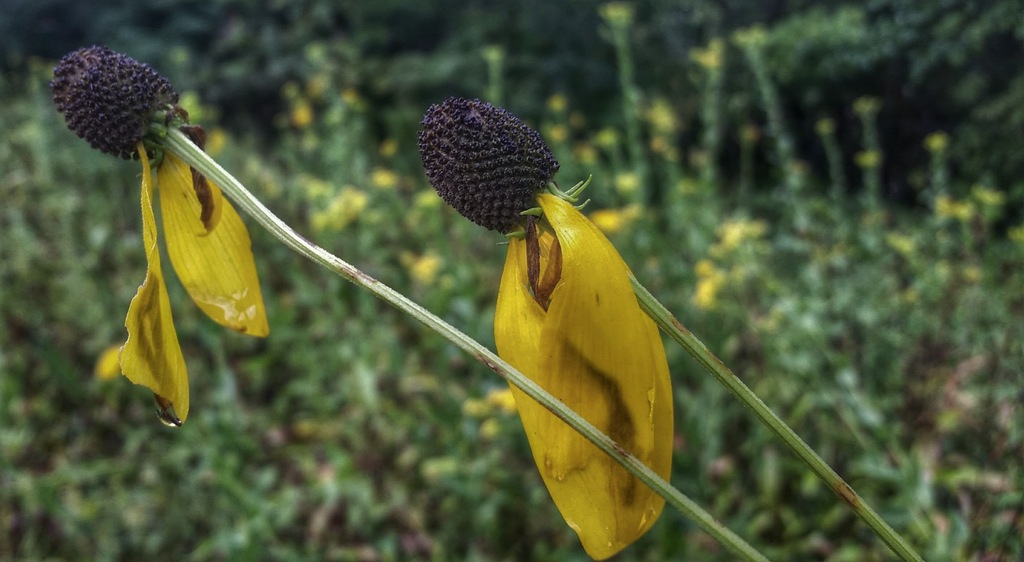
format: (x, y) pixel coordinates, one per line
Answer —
(108, 98)
(484, 161)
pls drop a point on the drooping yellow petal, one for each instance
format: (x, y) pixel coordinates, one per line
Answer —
(518, 321)
(216, 266)
(152, 356)
(595, 350)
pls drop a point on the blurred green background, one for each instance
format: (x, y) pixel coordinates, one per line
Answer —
(829, 194)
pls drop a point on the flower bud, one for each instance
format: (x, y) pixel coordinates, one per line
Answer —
(484, 161)
(108, 98)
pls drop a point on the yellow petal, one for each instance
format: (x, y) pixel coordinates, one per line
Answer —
(151, 356)
(595, 350)
(216, 266)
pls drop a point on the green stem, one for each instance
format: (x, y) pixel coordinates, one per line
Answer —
(783, 141)
(630, 106)
(178, 143)
(834, 156)
(494, 55)
(714, 365)
(711, 117)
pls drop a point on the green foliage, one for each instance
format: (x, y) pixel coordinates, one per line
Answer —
(889, 338)
(934, 65)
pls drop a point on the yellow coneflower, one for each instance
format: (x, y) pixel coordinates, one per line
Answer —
(113, 101)
(566, 317)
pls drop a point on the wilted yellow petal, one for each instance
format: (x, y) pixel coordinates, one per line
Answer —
(107, 365)
(518, 321)
(151, 356)
(216, 267)
(596, 351)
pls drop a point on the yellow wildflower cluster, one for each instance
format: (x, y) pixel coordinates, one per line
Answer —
(302, 114)
(710, 280)
(502, 399)
(948, 208)
(617, 14)
(903, 245)
(316, 54)
(868, 159)
(660, 144)
(475, 408)
(314, 188)
(753, 36)
(197, 110)
(437, 469)
(558, 103)
(341, 210)
(499, 401)
(627, 183)
(612, 221)
(607, 138)
(687, 186)
(426, 201)
(1016, 234)
(972, 274)
(709, 57)
(662, 116)
(910, 295)
(383, 178)
(425, 206)
(388, 148)
(351, 96)
(825, 127)
(494, 54)
(558, 133)
(318, 86)
(936, 142)
(988, 197)
(216, 140)
(180, 56)
(585, 153)
(423, 268)
(867, 106)
(734, 232)
(490, 428)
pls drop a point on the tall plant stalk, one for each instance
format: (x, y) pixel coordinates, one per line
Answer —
(728, 379)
